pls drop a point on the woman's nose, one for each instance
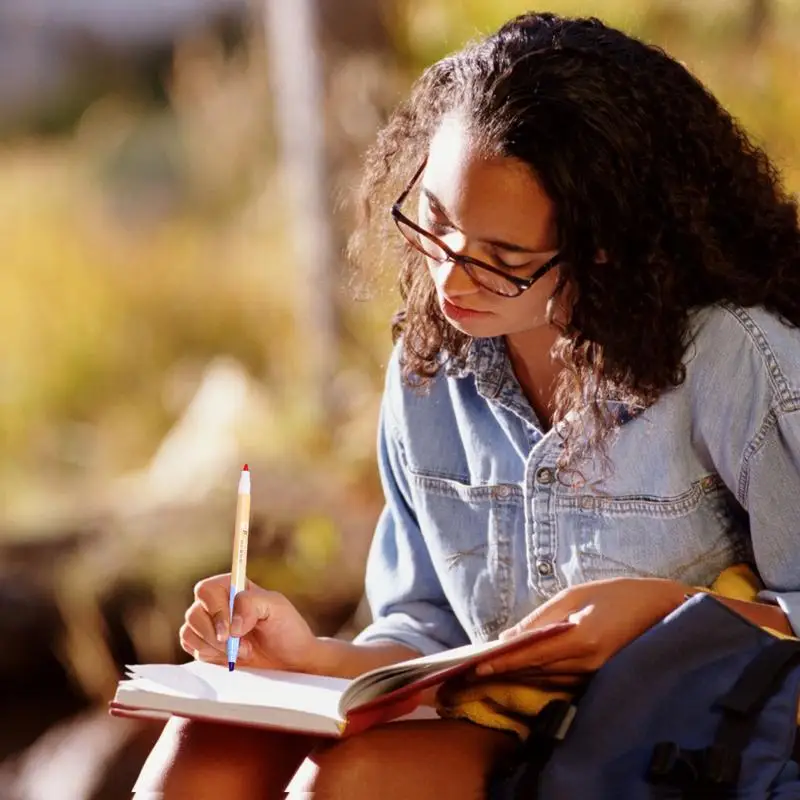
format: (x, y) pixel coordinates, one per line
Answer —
(450, 275)
(452, 279)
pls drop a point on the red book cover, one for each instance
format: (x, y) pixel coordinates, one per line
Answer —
(405, 699)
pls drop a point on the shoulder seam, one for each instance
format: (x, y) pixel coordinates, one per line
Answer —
(787, 399)
(754, 447)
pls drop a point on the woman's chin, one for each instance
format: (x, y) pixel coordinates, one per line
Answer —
(477, 328)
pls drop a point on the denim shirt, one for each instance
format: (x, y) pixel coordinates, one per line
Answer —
(478, 529)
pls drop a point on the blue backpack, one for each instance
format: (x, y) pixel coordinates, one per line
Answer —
(703, 706)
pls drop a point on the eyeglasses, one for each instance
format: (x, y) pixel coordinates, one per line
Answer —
(490, 277)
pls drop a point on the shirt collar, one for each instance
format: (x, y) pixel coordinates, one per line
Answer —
(487, 360)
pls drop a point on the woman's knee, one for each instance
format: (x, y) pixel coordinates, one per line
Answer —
(194, 760)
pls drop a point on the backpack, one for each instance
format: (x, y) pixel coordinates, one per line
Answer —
(703, 706)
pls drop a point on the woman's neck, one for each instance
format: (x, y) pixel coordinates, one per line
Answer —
(531, 358)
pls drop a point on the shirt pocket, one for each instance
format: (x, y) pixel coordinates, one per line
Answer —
(469, 530)
(689, 537)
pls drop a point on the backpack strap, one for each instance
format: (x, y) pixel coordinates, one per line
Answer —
(713, 772)
(521, 778)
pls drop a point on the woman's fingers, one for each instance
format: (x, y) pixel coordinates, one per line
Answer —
(547, 680)
(214, 595)
(200, 622)
(250, 607)
(574, 666)
(561, 608)
(198, 648)
(570, 646)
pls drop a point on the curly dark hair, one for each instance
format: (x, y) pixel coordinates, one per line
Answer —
(641, 162)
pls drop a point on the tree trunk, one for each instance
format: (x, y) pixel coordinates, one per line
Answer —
(331, 63)
(758, 18)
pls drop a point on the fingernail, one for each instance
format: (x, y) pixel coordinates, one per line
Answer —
(222, 632)
(484, 669)
(236, 626)
(244, 648)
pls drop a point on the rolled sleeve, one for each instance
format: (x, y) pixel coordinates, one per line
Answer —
(773, 503)
(404, 592)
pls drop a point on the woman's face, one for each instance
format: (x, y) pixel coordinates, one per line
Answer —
(492, 209)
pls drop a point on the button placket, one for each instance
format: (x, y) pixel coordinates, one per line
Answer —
(544, 567)
(541, 484)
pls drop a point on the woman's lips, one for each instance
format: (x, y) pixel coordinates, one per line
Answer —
(454, 312)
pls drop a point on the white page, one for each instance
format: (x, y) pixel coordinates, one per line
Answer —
(266, 688)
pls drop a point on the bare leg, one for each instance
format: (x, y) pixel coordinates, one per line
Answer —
(436, 760)
(196, 760)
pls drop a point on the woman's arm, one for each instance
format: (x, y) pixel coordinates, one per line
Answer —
(405, 594)
(348, 660)
(771, 473)
(607, 615)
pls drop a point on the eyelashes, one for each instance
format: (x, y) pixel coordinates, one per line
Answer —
(439, 228)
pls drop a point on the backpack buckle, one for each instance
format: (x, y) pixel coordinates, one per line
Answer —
(673, 766)
(553, 721)
(676, 766)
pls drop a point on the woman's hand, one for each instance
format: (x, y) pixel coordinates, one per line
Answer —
(607, 615)
(273, 633)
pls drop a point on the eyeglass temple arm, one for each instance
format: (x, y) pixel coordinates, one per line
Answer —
(407, 190)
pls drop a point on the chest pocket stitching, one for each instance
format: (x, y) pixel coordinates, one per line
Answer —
(452, 560)
(488, 630)
(498, 494)
(645, 505)
(450, 487)
(723, 543)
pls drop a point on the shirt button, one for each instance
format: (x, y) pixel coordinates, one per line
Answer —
(544, 567)
(544, 475)
(501, 491)
(707, 483)
(587, 503)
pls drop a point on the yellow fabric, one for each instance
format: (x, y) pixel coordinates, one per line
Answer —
(504, 703)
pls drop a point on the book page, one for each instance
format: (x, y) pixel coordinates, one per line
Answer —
(387, 680)
(271, 699)
(244, 687)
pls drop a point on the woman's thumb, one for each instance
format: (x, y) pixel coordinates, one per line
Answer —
(249, 608)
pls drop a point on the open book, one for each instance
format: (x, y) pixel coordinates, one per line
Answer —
(296, 702)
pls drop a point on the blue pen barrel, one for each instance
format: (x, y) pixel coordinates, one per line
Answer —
(233, 641)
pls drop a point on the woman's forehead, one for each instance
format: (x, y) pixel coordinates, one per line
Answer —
(479, 188)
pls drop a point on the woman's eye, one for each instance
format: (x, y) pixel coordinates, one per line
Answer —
(437, 227)
(508, 265)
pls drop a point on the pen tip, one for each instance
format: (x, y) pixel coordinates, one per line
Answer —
(245, 468)
(230, 666)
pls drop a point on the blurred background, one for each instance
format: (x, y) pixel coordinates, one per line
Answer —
(174, 185)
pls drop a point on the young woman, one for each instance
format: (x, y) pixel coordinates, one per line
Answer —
(593, 404)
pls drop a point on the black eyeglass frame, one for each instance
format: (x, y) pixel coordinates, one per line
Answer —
(521, 284)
